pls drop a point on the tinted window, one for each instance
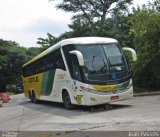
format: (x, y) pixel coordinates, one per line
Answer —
(52, 60)
(72, 62)
(102, 62)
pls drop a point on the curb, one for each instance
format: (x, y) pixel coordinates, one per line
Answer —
(146, 94)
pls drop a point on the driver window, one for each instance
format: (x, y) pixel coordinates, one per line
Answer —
(75, 68)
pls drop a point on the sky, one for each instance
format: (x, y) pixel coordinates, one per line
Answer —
(24, 21)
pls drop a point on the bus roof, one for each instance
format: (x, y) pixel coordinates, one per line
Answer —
(78, 40)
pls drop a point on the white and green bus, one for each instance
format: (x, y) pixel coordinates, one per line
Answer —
(79, 71)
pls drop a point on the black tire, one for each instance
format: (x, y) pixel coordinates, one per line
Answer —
(67, 101)
(33, 98)
(29, 94)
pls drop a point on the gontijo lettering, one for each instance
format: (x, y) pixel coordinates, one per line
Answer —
(33, 79)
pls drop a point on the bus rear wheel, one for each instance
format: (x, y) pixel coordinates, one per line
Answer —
(33, 98)
(29, 94)
(67, 101)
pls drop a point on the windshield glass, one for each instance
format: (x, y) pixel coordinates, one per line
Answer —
(103, 62)
(116, 58)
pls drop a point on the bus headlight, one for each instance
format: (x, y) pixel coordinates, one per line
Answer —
(89, 90)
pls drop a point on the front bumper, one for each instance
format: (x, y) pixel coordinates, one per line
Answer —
(96, 99)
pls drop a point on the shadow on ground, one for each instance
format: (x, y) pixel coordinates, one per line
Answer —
(59, 106)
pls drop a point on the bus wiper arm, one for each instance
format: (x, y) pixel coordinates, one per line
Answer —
(92, 62)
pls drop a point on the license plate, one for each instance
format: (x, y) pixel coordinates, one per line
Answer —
(114, 97)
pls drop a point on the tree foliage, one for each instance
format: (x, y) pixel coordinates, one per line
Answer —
(47, 42)
(93, 10)
(107, 18)
(12, 57)
(91, 16)
(146, 33)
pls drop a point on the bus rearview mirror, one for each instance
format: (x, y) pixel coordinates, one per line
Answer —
(134, 55)
(79, 56)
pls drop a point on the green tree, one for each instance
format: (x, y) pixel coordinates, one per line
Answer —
(32, 52)
(93, 18)
(11, 59)
(93, 10)
(146, 33)
(47, 42)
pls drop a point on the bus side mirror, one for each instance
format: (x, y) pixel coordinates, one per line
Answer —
(79, 56)
(134, 55)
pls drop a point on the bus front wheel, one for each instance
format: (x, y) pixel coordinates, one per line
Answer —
(67, 101)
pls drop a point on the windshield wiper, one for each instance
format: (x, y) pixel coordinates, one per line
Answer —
(92, 62)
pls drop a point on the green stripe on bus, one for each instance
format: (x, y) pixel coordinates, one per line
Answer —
(123, 85)
(47, 82)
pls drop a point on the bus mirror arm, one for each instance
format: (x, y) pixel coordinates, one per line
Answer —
(134, 55)
(79, 56)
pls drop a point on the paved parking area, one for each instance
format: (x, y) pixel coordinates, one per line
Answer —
(138, 114)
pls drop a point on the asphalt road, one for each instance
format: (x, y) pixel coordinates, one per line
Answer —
(138, 114)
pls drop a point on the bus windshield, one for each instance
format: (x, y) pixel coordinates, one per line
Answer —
(102, 62)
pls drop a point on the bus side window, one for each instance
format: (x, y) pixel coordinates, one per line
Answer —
(75, 68)
(25, 71)
(37, 67)
(48, 62)
(51, 62)
(59, 60)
